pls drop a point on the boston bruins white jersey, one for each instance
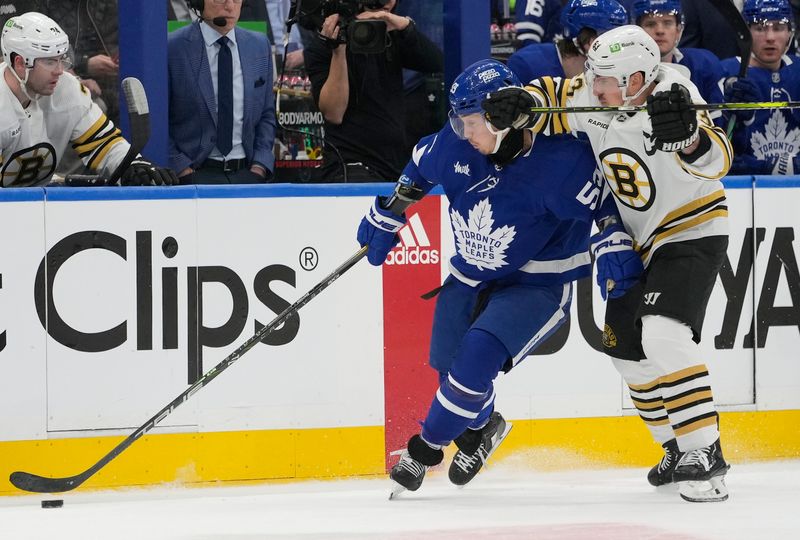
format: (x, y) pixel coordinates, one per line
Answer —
(33, 139)
(661, 197)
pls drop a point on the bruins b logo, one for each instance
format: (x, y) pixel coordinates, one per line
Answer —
(629, 178)
(30, 166)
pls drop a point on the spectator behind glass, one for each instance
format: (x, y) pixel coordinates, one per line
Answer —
(278, 11)
(93, 28)
(766, 141)
(221, 104)
(663, 21)
(706, 28)
(361, 97)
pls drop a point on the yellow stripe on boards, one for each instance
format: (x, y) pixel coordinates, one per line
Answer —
(557, 444)
(187, 458)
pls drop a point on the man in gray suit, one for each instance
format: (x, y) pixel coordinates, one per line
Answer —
(221, 104)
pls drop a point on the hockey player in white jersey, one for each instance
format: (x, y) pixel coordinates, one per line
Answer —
(521, 209)
(43, 109)
(663, 168)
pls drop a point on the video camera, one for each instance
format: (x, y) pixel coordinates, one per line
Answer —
(362, 36)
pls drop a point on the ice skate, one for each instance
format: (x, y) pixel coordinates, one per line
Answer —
(700, 475)
(409, 472)
(475, 447)
(661, 473)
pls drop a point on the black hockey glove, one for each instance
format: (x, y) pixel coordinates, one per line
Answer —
(144, 173)
(741, 91)
(674, 121)
(510, 107)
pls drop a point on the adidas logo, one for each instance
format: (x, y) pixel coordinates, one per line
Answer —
(415, 246)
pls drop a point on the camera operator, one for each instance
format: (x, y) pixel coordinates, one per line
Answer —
(360, 94)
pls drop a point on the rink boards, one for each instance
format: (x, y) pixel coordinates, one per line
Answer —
(113, 300)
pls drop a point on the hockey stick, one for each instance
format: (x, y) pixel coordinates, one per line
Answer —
(39, 484)
(744, 41)
(756, 105)
(139, 120)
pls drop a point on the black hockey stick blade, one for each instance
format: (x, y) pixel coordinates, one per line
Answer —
(139, 122)
(40, 484)
(744, 41)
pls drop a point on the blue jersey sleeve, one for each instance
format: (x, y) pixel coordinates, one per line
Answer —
(578, 187)
(422, 169)
(536, 20)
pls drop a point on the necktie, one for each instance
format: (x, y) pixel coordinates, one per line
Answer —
(224, 97)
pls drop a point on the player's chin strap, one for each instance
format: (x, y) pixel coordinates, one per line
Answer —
(23, 83)
(629, 100)
(509, 145)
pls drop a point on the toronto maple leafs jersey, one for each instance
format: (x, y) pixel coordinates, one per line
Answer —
(772, 133)
(661, 197)
(536, 61)
(705, 71)
(537, 21)
(33, 139)
(527, 221)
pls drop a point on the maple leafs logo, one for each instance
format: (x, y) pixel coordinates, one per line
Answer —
(477, 242)
(776, 140)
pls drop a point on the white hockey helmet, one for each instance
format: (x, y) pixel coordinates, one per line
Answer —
(620, 53)
(33, 35)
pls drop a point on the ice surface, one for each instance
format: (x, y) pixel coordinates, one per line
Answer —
(508, 501)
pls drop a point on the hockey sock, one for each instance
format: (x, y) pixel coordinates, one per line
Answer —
(684, 381)
(645, 390)
(466, 396)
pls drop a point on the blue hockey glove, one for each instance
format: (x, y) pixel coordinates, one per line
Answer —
(618, 265)
(378, 229)
(742, 91)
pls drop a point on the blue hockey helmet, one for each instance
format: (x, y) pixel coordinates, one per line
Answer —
(599, 15)
(473, 86)
(476, 82)
(762, 11)
(656, 7)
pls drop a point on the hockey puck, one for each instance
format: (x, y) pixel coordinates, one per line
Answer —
(53, 503)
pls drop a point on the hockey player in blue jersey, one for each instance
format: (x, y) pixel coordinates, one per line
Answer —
(521, 212)
(663, 21)
(537, 20)
(766, 142)
(582, 22)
